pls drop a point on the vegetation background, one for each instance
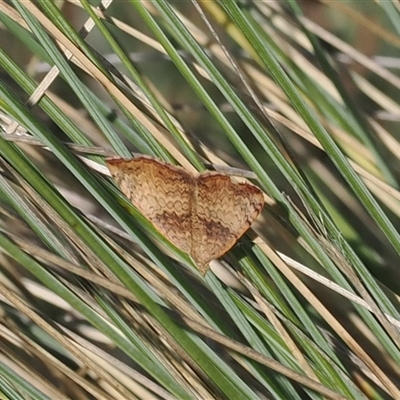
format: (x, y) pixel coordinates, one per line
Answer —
(300, 97)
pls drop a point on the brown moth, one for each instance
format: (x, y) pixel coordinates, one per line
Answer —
(202, 214)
